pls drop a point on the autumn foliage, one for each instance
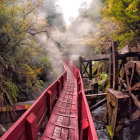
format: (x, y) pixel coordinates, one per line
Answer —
(19, 72)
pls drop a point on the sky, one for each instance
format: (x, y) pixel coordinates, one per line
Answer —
(70, 8)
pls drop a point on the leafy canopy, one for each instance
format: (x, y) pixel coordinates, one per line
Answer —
(19, 75)
(127, 14)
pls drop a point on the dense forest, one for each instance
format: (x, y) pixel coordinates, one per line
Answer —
(33, 35)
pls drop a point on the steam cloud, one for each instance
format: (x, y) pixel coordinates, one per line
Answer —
(69, 42)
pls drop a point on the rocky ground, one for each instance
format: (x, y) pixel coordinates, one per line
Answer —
(130, 132)
(99, 121)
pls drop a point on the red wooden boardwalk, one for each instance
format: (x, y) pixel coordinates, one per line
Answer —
(63, 122)
(70, 112)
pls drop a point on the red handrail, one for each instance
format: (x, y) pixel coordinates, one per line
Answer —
(27, 126)
(88, 131)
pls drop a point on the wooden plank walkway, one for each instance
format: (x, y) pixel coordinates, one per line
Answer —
(71, 106)
(63, 122)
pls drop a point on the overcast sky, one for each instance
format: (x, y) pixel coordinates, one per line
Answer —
(70, 8)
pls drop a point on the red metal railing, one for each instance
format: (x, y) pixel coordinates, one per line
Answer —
(88, 131)
(27, 126)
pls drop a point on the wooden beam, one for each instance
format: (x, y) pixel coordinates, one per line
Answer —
(84, 71)
(136, 101)
(123, 82)
(98, 104)
(111, 68)
(80, 59)
(96, 95)
(115, 65)
(92, 96)
(87, 91)
(131, 54)
(97, 58)
(90, 70)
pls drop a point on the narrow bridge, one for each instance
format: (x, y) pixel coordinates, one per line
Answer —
(69, 118)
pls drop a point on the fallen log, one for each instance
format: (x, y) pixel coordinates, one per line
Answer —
(98, 104)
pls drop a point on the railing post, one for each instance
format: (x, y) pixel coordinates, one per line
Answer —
(78, 73)
(80, 59)
(58, 87)
(79, 97)
(111, 68)
(115, 65)
(90, 70)
(63, 81)
(79, 86)
(32, 127)
(85, 128)
(64, 77)
(79, 104)
(49, 101)
(78, 83)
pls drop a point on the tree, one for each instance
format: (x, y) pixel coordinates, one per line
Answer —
(18, 27)
(54, 15)
(127, 14)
